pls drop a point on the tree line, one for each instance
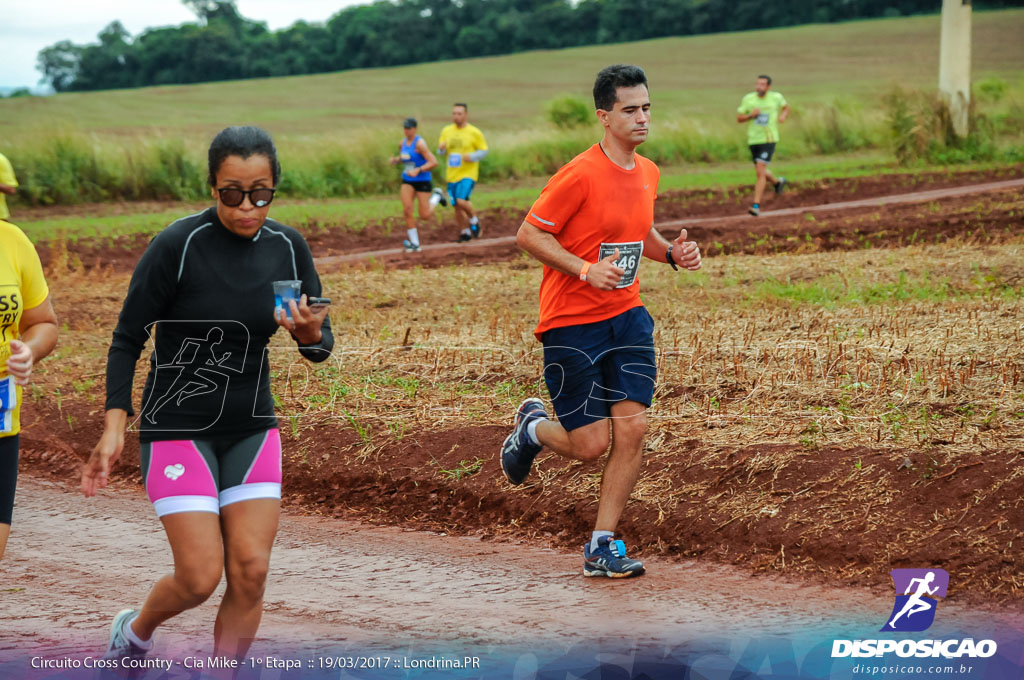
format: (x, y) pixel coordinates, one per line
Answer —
(224, 45)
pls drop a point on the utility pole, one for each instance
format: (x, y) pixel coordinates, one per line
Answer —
(955, 62)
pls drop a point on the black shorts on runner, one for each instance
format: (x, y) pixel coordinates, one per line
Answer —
(762, 153)
(420, 187)
(8, 476)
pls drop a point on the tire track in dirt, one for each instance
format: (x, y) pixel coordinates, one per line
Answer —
(503, 247)
(71, 564)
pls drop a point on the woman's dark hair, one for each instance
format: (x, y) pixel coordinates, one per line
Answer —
(611, 78)
(243, 141)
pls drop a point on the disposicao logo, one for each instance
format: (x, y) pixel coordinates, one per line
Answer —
(917, 593)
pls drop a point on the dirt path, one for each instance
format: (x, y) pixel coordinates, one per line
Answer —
(72, 563)
(879, 210)
(727, 228)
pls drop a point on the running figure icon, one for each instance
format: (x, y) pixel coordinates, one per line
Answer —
(190, 375)
(917, 598)
(916, 604)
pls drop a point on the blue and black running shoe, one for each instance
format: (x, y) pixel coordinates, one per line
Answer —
(119, 646)
(518, 450)
(610, 560)
(475, 230)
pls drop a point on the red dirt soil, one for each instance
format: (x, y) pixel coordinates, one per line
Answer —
(822, 229)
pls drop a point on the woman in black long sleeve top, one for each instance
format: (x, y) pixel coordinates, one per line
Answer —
(211, 452)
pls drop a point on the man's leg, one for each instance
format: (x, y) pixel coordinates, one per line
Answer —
(629, 424)
(762, 171)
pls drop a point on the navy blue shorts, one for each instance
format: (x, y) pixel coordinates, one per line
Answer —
(589, 367)
(762, 153)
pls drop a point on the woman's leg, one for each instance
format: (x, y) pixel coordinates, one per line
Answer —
(426, 209)
(249, 528)
(195, 539)
(8, 483)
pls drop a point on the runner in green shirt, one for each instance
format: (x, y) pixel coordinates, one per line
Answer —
(764, 110)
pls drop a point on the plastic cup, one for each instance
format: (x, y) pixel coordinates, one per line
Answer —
(285, 291)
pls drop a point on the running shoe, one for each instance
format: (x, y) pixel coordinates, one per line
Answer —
(780, 186)
(437, 196)
(754, 210)
(475, 228)
(610, 560)
(518, 450)
(120, 647)
(411, 247)
(463, 237)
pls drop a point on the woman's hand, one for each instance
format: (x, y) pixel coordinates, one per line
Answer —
(106, 452)
(305, 322)
(20, 362)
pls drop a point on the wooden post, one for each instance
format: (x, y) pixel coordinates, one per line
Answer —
(955, 62)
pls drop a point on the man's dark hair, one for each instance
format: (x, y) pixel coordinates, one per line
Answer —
(243, 141)
(767, 78)
(611, 78)
(465, 106)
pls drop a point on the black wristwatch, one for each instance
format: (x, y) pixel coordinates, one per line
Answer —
(668, 258)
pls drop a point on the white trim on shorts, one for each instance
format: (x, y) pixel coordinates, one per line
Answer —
(175, 504)
(249, 492)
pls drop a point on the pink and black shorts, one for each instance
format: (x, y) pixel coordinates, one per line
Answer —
(204, 475)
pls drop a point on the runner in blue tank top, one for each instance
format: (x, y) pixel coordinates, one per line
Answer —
(417, 161)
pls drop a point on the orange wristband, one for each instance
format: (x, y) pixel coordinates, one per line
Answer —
(583, 272)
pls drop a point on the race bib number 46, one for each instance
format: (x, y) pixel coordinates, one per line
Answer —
(629, 259)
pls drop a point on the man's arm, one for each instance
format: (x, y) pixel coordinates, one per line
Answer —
(784, 114)
(685, 253)
(8, 189)
(744, 117)
(603, 275)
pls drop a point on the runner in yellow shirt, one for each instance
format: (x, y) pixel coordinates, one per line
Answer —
(8, 185)
(764, 110)
(28, 332)
(466, 147)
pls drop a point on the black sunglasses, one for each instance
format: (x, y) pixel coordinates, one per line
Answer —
(233, 198)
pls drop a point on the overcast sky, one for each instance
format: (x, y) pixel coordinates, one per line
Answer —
(27, 26)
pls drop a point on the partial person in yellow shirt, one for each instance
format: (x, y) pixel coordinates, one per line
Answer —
(8, 185)
(28, 332)
(466, 147)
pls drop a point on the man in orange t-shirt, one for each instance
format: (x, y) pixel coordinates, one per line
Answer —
(591, 227)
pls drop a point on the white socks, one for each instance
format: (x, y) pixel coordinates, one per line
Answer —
(596, 535)
(414, 236)
(435, 198)
(531, 430)
(133, 638)
(474, 220)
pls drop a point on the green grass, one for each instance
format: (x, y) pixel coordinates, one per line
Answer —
(335, 131)
(833, 291)
(696, 77)
(356, 214)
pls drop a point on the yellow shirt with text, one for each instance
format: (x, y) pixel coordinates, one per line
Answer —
(22, 287)
(459, 143)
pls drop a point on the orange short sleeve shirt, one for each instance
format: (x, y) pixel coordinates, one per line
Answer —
(591, 201)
